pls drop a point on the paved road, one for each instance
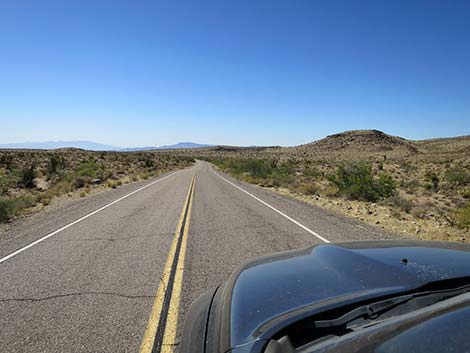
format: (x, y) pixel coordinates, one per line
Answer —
(95, 285)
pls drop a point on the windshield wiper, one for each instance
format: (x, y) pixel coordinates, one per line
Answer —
(373, 310)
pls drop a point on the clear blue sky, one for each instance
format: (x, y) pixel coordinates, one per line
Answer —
(232, 71)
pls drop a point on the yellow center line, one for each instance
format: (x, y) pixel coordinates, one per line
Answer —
(169, 338)
(169, 335)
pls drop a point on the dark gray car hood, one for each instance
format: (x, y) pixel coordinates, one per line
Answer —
(267, 291)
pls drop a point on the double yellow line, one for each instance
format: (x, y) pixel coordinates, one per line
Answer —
(160, 335)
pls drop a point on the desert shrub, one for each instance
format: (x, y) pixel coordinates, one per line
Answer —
(385, 186)
(263, 171)
(410, 186)
(27, 179)
(112, 184)
(311, 172)
(329, 191)
(420, 211)
(357, 182)
(307, 188)
(399, 202)
(281, 178)
(465, 193)
(12, 207)
(433, 181)
(458, 176)
(3, 184)
(7, 181)
(85, 173)
(257, 168)
(87, 169)
(149, 163)
(60, 188)
(80, 182)
(7, 161)
(461, 217)
(102, 173)
(53, 164)
(6, 209)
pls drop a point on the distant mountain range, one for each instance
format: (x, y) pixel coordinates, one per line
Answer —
(179, 145)
(94, 146)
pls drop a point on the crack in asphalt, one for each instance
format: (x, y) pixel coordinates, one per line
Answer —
(57, 296)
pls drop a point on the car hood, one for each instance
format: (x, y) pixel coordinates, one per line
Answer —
(272, 292)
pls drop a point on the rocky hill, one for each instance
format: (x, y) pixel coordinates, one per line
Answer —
(358, 144)
(369, 145)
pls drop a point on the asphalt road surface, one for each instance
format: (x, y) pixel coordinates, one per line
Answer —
(116, 271)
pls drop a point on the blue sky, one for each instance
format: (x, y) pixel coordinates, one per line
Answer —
(242, 72)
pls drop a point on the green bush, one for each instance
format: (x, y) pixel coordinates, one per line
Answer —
(458, 176)
(12, 207)
(149, 163)
(256, 168)
(461, 217)
(357, 182)
(433, 181)
(6, 209)
(7, 181)
(268, 172)
(385, 186)
(87, 169)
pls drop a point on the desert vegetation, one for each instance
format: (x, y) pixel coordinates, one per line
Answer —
(419, 188)
(30, 180)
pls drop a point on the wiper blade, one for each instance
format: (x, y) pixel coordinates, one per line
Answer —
(373, 310)
(366, 311)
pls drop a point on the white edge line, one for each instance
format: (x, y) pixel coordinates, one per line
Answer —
(274, 209)
(81, 219)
